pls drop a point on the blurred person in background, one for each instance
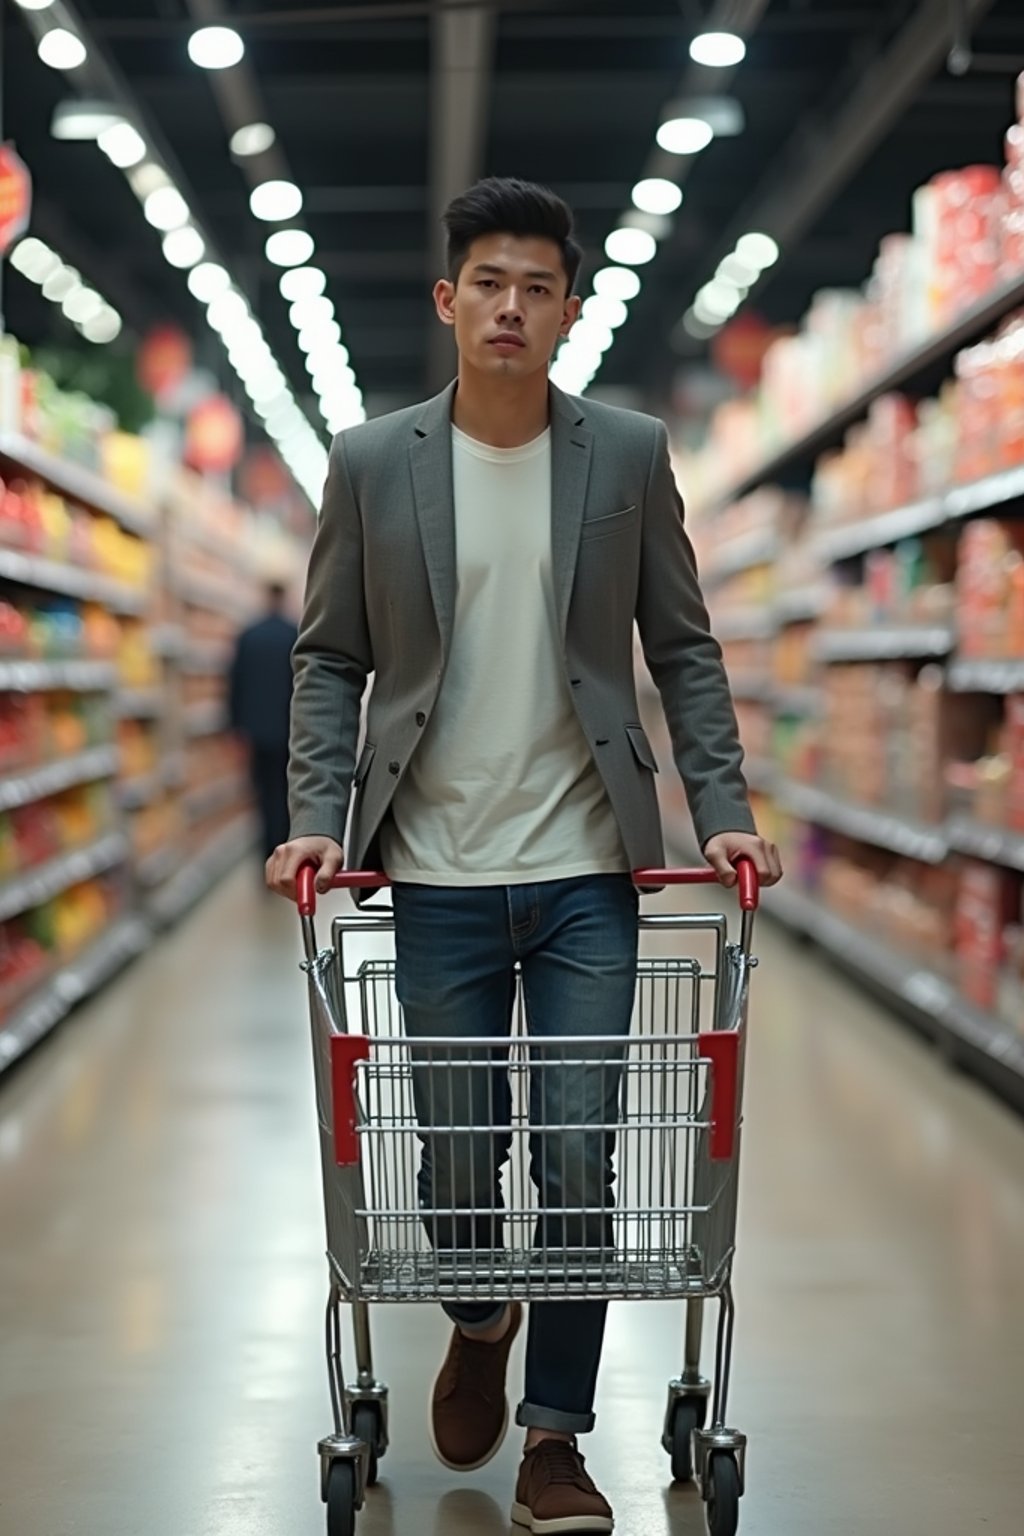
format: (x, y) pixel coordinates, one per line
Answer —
(260, 697)
(485, 556)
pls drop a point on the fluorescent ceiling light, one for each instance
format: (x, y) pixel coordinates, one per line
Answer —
(184, 247)
(289, 248)
(718, 50)
(165, 208)
(61, 281)
(34, 260)
(34, 5)
(605, 311)
(684, 135)
(61, 49)
(82, 304)
(617, 283)
(315, 339)
(760, 250)
(302, 283)
(305, 313)
(272, 201)
(147, 178)
(657, 225)
(207, 280)
(122, 145)
(253, 139)
(717, 301)
(216, 48)
(657, 195)
(590, 335)
(630, 247)
(700, 330)
(84, 120)
(743, 274)
(227, 309)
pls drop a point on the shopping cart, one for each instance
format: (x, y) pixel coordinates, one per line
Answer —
(669, 1100)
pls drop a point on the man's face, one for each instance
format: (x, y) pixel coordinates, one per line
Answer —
(509, 306)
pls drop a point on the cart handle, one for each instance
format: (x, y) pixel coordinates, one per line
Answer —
(363, 879)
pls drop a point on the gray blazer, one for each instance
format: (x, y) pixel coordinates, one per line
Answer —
(381, 599)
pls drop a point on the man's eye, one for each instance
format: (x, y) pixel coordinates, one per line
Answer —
(487, 282)
(537, 288)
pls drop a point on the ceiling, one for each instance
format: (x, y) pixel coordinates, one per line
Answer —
(384, 109)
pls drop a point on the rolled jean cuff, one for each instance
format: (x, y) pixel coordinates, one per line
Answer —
(478, 1320)
(532, 1416)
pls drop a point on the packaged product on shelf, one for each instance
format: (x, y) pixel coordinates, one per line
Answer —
(988, 910)
(990, 588)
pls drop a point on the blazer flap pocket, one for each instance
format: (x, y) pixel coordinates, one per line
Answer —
(607, 522)
(642, 747)
(363, 765)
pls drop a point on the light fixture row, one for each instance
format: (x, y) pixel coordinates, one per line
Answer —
(635, 242)
(98, 321)
(184, 247)
(721, 297)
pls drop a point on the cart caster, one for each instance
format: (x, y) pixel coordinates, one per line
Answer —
(368, 1426)
(342, 1498)
(723, 1494)
(687, 1415)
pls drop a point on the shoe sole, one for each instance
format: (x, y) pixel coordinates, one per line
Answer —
(567, 1525)
(466, 1466)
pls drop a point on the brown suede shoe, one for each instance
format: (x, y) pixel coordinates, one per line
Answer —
(555, 1494)
(469, 1409)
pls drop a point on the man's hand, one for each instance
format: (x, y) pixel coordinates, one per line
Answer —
(725, 847)
(285, 862)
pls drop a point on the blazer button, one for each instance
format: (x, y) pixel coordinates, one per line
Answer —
(395, 768)
(421, 718)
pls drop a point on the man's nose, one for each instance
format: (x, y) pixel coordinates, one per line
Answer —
(512, 307)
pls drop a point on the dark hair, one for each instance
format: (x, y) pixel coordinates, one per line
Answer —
(501, 205)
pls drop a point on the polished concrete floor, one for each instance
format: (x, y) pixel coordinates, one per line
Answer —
(161, 1287)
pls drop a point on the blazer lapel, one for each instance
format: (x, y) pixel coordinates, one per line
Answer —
(430, 457)
(571, 448)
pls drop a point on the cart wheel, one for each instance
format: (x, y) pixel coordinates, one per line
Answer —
(723, 1494)
(685, 1419)
(366, 1427)
(341, 1499)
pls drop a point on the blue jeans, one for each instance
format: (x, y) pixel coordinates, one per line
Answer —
(576, 944)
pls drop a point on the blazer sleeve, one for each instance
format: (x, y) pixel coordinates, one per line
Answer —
(685, 660)
(331, 662)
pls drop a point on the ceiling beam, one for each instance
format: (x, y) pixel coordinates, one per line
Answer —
(462, 64)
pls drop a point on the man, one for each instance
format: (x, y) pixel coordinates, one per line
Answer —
(485, 555)
(259, 698)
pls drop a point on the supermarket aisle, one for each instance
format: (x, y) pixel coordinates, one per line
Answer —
(160, 1288)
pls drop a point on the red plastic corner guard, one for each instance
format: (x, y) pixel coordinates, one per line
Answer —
(722, 1048)
(346, 1050)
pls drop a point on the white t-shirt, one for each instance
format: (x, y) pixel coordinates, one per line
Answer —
(502, 789)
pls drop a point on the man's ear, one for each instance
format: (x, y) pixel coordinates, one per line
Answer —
(570, 314)
(444, 301)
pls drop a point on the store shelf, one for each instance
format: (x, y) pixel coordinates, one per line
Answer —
(42, 884)
(807, 701)
(742, 554)
(205, 661)
(140, 703)
(761, 774)
(156, 867)
(74, 676)
(929, 845)
(211, 799)
(930, 999)
(58, 994)
(205, 719)
(801, 606)
(749, 688)
(982, 495)
(914, 368)
(77, 483)
(198, 875)
(993, 844)
(53, 778)
(749, 624)
(50, 576)
(857, 538)
(168, 641)
(884, 642)
(966, 676)
(206, 592)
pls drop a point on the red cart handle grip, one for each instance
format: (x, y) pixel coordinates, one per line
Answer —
(365, 879)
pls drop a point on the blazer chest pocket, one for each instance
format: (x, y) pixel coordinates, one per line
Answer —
(642, 749)
(609, 522)
(366, 757)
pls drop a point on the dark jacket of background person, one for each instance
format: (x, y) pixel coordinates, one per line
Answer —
(260, 694)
